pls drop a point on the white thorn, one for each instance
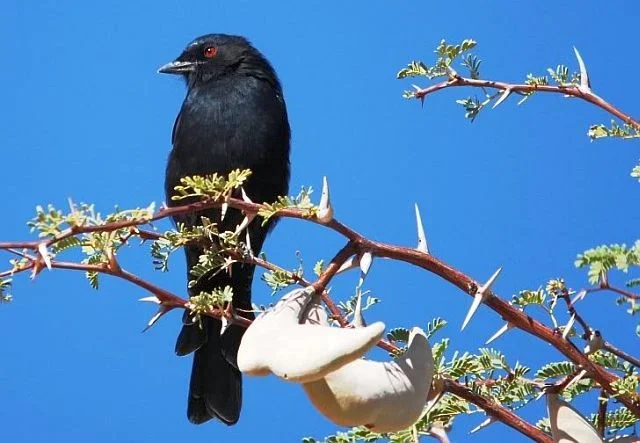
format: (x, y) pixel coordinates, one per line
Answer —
(42, 249)
(37, 267)
(161, 311)
(483, 425)
(245, 222)
(479, 297)
(506, 327)
(325, 211)
(351, 263)
(576, 379)
(584, 77)
(150, 299)
(248, 242)
(245, 197)
(417, 88)
(567, 328)
(225, 324)
(579, 296)
(358, 318)
(422, 238)
(487, 286)
(365, 264)
(505, 94)
(223, 210)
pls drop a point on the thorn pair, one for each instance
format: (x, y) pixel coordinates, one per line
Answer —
(162, 309)
(44, 257)
(479, 297)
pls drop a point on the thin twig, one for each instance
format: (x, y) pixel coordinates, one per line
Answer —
(620, 353)
(603, 401)
(493, 409)
(573, 91)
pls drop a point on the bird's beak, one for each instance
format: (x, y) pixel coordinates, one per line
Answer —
(177, 67)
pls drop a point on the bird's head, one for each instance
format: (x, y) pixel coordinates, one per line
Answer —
(216, 55)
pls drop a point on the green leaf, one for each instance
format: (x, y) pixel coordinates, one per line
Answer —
(555, 369)
(207, 301)
(434, 326)
(624, 131)
(301, 201)
(210, 187)
(398, 335)
(318, 267)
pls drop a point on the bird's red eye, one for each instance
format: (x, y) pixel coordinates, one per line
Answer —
(210, 51)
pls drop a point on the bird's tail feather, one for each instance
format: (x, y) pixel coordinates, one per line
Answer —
(215, 389)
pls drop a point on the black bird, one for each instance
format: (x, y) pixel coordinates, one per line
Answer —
(234, 116)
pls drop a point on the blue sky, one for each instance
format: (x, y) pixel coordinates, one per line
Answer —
(84, 115)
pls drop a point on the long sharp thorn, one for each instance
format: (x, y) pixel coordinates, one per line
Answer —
(248, 242)
(225, 324)
(351, 263)
(358, 318)
(477, 299)
(506, 327)
(487, 286)
(155, 318)
(245, 197)
(150, 299)
(579, 296)
(42, 249)
(245, 222)
(576, 379)
(422, 238)
(365, 264)
(505, 94)
(584, 77)
(569, 326)
(483, 425)
(416, 87)
(37, 267)
(223, 210)
(325, 210)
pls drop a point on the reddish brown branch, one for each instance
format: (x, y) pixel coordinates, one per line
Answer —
(408, 255)
(621, 354)
(603, 400)
(573, 91)
(495, 410)
(627, 294)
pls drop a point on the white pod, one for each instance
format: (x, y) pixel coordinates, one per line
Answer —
(567, 425)
(383, 396)
(277, 343)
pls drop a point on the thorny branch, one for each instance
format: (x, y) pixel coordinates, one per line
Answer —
(570, 90)
(493, 409)
(357, 243)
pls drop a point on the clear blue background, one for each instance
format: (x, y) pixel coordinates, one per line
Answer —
(84, 115)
